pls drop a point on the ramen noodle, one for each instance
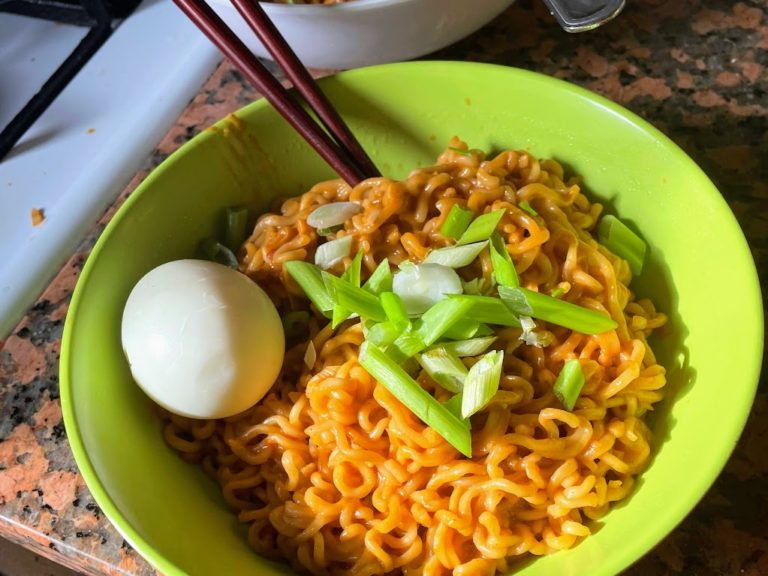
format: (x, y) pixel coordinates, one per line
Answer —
(333, 474)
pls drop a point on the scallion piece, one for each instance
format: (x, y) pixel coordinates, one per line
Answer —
(333, 252)
(481, 383)
(456, 222)
(444, 368)
(619, 239)
(465, 328)
(295, 324)
(237, 221)
(488, 309)
(479, 286)
(354, 298)
(415, 398)
(456, 256)
(460, 151)
(329, 231)
(569, 383)
(310, 278)
(407, 345)
(530, 336)
(453, 405)
(215, 251)
(333, 214)
(524, 302)
(395, 310)
(503, 268)
(469, 347)
(382, 334)
(411, 367)
(424, 285)
(481, 227)
(436, 321)
(557, 292)
(310, 355)
(381, 279)
(528, 208)
(483, 330)
(351, 275)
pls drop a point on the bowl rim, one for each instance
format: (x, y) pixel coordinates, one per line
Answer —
(279, 9)
(676, 512)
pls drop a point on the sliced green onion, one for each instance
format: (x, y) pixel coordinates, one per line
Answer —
(381, 279)
(382, 334)
(524, 302)
(411, 367)
(530, 336)
(569, 383)
(483, 330)
(237, 221)
(436, 321)
(503, 268)
(310, 278)
(354, 298)
(415, 398)
(456, 256)
(488, 309)
(453, 405)
(424, 285)
(557, 292)
(456, 222)
(459, 151)
(395, 310)
(310, 355)
(333, 252)
(351, 275)
(407, 345)
(469, 347)
(481, 227)
(444, 368)
(481, 383)
(479, 286)
(329, 231)
(295, 324)
(619, 239)
(215, 251)
(333, 214)
(463, 329)
(528, 208)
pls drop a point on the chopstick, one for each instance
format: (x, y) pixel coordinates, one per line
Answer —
(351, 168)
(286, 58)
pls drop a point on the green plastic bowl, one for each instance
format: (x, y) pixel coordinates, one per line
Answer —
(700, 272)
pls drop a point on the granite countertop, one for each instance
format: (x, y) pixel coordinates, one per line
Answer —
(697, 69)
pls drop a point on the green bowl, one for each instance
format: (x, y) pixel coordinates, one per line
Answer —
(700, 272)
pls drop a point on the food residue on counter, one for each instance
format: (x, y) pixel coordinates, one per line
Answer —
(38, 216)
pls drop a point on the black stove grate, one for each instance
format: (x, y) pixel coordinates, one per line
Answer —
(101, 16)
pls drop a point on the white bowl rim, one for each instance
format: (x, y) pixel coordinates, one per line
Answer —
(351, 6)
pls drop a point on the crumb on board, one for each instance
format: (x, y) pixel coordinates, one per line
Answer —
(91, 130)
(37, 216)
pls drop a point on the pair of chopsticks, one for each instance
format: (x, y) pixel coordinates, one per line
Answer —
(341, 151)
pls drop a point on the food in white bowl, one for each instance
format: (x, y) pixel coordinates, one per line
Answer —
(366, 32)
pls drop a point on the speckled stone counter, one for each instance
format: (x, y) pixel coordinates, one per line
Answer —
(697, 69)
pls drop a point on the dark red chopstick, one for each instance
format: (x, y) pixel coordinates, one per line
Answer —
(232, 47)
(281, 51)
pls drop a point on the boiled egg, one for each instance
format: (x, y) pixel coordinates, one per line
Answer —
(202, 340)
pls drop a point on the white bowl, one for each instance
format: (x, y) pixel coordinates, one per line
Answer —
(365, 32)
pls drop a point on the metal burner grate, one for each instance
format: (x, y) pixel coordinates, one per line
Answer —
(101, 16)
